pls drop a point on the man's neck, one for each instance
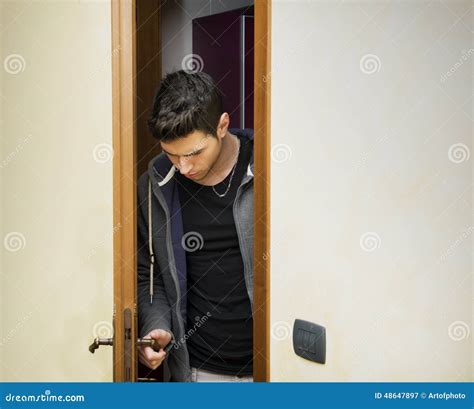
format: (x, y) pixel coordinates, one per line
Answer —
(225, 162)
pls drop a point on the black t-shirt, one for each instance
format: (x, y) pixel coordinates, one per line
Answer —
(219, 317)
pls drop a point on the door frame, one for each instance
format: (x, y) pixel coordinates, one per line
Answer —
(124, 130)
(262, 145)
(124, 189)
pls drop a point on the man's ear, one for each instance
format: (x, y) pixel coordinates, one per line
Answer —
(223, 125)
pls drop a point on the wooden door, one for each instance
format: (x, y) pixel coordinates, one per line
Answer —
(136, 73)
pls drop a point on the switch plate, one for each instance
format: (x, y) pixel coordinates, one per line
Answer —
(309, 341)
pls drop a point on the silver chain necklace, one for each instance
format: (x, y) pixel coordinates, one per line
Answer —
(231, 176)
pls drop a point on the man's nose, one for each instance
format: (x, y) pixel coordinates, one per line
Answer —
(184, 165)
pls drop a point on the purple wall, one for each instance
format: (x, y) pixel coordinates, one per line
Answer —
(225, 43)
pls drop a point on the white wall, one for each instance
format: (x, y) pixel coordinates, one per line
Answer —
(371, 195)
(1, 190)
(177, 28)
(56, 197)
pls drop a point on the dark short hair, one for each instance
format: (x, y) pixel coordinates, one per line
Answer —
(185, 102)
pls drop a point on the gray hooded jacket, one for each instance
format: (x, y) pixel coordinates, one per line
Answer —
(161, 257)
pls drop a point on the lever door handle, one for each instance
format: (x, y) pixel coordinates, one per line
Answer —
(100, 341)
(140, 342)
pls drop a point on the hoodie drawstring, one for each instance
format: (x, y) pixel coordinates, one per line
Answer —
(150, 244)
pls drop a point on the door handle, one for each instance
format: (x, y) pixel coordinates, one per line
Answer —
(100, 341)
(140, 342)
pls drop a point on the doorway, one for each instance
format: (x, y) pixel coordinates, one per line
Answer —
(149, 40)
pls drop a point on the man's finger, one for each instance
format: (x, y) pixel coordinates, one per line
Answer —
(152, 355)
(152, 360)
(160, 334)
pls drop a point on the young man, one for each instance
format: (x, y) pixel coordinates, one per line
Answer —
(195, 236)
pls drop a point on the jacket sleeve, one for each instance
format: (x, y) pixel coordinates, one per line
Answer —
(156, 315)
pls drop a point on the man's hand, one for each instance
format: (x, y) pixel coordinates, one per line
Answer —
(147, 355)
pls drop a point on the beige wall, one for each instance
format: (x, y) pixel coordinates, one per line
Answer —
(377, 249)
(56, 181)
(371, 188)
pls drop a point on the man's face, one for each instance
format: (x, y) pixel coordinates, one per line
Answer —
(194, 155)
